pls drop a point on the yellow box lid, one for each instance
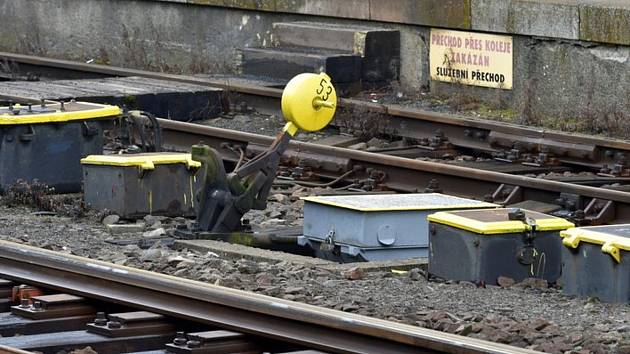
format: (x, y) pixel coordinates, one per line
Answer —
(142, 161)
(613, 238)
(496, 221)
(398, 202)
(52, 113)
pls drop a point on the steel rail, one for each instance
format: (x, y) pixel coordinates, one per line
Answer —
(462, 131)
(402, 173)
(9, 350)
(308, 325)
(409, 174)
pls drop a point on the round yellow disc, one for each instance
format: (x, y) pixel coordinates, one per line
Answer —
(309, 101)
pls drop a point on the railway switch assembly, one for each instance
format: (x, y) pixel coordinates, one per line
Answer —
(309, 103)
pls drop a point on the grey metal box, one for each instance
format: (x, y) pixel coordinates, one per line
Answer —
(374, 227)
(596, 262)
(141, 184)
(482, 245)
(47, 144)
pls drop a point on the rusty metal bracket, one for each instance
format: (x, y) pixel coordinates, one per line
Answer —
(532, 144)
(212, 342)
(599, 212)
(20, 293)
(543, 158)
(433, 187)
(619, 169)
(506, 195)
(53, 306)
(129, 324)
(6, 288)
(296, 157)
(510, 156)
(570, 201)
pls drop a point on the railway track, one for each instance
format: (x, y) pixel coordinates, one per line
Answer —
(154, 311)
(591, 205)
(501, 138)
(565, 196)
(130, 310)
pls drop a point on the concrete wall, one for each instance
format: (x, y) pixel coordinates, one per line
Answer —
(571, 62)
(156, 35)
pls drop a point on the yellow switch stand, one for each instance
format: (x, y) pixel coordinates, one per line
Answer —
(309, 102)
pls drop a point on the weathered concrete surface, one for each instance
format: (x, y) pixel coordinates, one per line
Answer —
(167, 99)
(164, 36)
(285, 64)
(234, 251)
(357, 9)
(585, 86)
(379, 48)
(561, 85)
(443, 13)
(581, 83)
(414, 54)
(229, 250)
(606, 21)
(155, 35)
(549, 18)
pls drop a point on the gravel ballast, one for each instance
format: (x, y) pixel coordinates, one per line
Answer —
(528, 314)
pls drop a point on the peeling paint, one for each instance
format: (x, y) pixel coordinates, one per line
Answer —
(359, 43)
(619, 55)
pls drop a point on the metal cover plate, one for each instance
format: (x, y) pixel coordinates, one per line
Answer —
(209, 336)
(496, 221)
(138, 316)
(621, 230)
(57, 299)
(146, 161)
(71, 111)
(399, 202)
(613, 238)
(497, 215)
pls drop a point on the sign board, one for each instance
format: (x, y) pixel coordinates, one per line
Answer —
(471, 58)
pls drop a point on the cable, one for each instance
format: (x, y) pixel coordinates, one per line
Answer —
(328, 184)
(157, 131)
(241, 159)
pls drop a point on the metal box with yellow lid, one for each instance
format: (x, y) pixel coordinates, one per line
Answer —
(141, 184)
(46, 142)
(483, 245)
(374, 227)
(596, 262)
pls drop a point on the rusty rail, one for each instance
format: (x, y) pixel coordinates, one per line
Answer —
(465, 132)
(593, 205)
(407, 175)
(260, 315)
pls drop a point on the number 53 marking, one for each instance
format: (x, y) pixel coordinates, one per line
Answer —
(324, 86)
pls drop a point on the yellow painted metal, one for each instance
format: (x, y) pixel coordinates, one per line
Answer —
(309, 101)
(290, 129)
(497, 227)
(142, 161)
(92, 111)
(611, 244)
